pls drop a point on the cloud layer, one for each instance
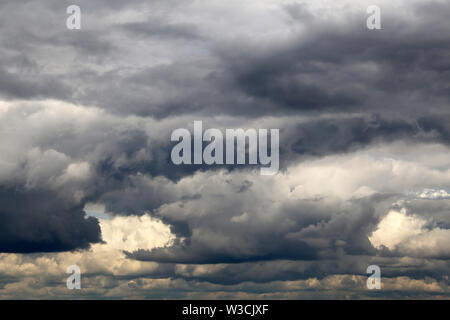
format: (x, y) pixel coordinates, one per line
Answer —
(85, 172)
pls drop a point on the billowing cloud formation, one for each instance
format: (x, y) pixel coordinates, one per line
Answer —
(86, 117)
(410, 236)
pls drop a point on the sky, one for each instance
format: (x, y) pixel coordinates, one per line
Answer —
(86, 179)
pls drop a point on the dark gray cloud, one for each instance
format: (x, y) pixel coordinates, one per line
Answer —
(162, 30)
(40, 221)
(334, 68)
(31, 86)
(304, 230)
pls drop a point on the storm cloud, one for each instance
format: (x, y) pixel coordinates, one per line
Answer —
(86, 176)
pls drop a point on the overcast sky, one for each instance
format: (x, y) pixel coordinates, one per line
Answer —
(85, 172)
